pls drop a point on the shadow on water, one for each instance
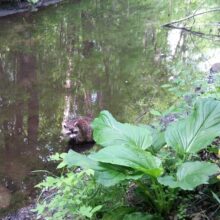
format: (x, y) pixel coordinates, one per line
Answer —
(80, 148)
(78, 58)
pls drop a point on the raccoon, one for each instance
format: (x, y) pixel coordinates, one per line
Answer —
(78, 130)
(215, 68)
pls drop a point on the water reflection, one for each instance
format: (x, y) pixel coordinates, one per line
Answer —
(19, 122)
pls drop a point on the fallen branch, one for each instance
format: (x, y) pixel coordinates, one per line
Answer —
(197, 33)
(190, 16)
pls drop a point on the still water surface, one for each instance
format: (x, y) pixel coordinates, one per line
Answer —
(80, 58)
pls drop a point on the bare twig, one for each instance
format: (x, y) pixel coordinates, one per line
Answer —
(198, 33)
(190, 16)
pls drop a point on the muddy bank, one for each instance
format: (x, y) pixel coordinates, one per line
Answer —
(26, 7)
(22, 214)
(27, 212)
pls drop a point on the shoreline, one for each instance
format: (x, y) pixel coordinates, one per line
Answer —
(26, 7)
(22, 213)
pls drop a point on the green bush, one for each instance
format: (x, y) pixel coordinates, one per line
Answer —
(75, 194)
(160, 164)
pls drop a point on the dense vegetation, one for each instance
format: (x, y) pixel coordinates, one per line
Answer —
(141, 172)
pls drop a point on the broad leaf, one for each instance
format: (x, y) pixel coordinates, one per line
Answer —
(105, 174)
(109, 175)
(190, 174)
(198, 130)
(75, 159)
(158, 140)
(107, 132)
(130, 156)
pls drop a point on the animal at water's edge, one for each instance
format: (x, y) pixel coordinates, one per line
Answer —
(215, 68)
(78, 130)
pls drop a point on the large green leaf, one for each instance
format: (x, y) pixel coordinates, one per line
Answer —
(190, 174)
(130, 156)
(75, 159)
(198, 130)
(107, 131)
(105, 174)
(109, 175)
(158, 140)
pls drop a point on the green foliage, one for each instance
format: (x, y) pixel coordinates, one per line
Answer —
(106, 174)
(181, 212)
(202, 121)
(108, 132)
(215, 196)
(155, 112)
(75, 159)
(141, 216)
(89, 211)
(70, 196)
(118, 213)
(127, 157)
(190, 174)
(75, 195)
(198, 130)
(158, 140)
(130, 156)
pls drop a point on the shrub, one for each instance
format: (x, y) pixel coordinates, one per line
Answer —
(160, 164)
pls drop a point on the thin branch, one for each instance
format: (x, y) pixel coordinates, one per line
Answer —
(190, 16)
(197, 33)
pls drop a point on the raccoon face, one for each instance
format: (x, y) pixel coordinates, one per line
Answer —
(71, 131)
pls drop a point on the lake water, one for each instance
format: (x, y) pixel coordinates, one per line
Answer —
(81, 57)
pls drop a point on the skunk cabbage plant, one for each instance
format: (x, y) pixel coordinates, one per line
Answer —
(126, 154)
